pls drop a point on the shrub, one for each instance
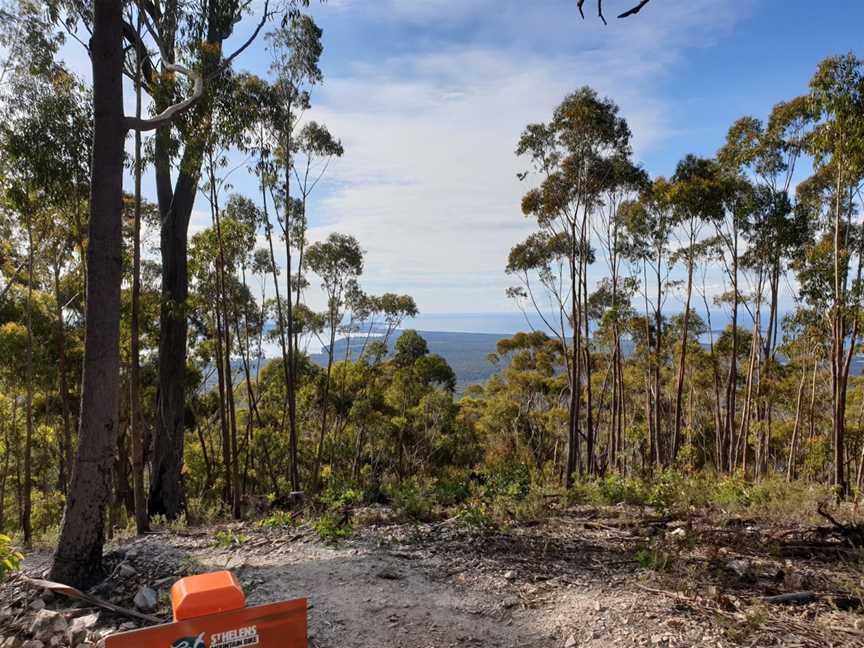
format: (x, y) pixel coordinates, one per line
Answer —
(10, 558)
(476, 516)
(278, 520)
(617, 489)
(332, 527)
(227, 539)
(413, 502)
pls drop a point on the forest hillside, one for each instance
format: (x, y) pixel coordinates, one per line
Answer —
(199, 370)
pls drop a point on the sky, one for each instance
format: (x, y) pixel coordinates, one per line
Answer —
(429, 98)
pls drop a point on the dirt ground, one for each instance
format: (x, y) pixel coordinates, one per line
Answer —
(586, 577)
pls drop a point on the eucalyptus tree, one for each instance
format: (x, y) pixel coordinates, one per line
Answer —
(182, 32)
(837, 145)
(78, 556)
(804, 335)
(769, 154)
(572, 155)
(296, 50)
(262, 142)
(390, 310)
(648, 223)
(222, 245)
(338, 262)
(314, 148)
(44, 142)
(696, 196)
(623, 182)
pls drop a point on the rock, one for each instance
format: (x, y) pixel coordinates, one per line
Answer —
(510, 575)
(47, 623)
(571, 642)
(146, 599)
(680, 532)
(37, 604)
(510, 602)
(126, 570)
(741, 568)
(76, 633)
(33, 643)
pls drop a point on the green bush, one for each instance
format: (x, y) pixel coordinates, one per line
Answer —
(10, 558)
(413, 502)
(278, 520)
(507, 478)
(476, 516)
(332, 527)
(451, 491)
(617, 489)
(227, 539)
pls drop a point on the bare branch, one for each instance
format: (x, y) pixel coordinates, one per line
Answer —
(635, 10)
(264, 17)
(167, 115)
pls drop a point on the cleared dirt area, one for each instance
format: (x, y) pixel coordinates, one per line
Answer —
(586, 577)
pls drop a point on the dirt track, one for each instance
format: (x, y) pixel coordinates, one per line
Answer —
(560, 583)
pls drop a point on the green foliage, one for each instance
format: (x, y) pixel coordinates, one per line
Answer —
(278, 520)
(332, 527)
(229, 539)
(10, 558)
(477, 517)
(655, 557)
(413, 501)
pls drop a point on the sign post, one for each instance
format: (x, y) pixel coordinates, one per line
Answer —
(209, 612)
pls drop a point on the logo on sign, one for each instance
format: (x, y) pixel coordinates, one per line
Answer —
(239, 638)
(190, 642)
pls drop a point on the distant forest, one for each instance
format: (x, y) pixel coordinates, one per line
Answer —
(117, 401)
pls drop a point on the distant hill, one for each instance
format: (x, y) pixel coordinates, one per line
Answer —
(466, 353)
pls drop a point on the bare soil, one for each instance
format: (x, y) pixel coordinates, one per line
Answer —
(586, 576)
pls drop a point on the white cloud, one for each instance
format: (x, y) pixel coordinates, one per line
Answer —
(428, 182)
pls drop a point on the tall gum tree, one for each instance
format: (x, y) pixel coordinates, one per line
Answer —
(571, 155)
(837, 145)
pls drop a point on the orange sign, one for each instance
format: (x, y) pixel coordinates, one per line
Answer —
(277, 625)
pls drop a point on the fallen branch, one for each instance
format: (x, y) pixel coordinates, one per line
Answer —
(852, 533)
(792, 598)
(71, 592)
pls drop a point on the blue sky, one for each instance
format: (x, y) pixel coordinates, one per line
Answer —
(429, 98)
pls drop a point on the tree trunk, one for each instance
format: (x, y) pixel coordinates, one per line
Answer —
(658, 350)
(682, 362)
(28, 439)
(78, 558)
(222, 381)
(796, 430)
(590, 452)
(136, 430)
(316, 473)
(293, 355)
(283, 345)
(732, 378)
(66, 415)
